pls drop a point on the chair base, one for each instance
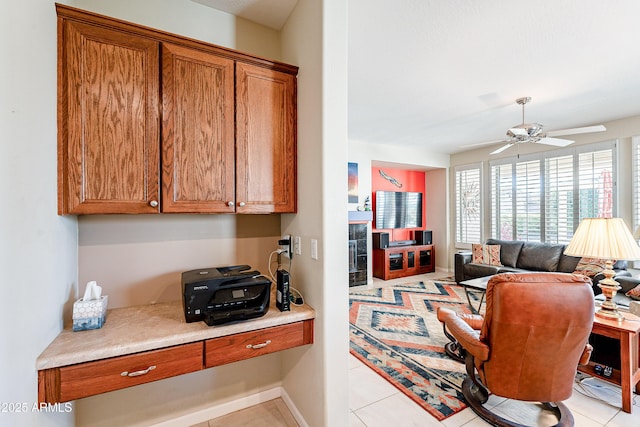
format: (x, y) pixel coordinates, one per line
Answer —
(475, 394)
(453, 349)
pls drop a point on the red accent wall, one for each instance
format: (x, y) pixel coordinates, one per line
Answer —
(411, 181)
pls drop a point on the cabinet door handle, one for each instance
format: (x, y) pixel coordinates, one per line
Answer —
(138, 373)
(241, 204)
(257, 346)
(153, 203)
(229, 204)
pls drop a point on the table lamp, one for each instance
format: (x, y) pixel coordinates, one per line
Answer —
(608, 239)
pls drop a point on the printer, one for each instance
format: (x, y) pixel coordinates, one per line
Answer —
(223, 294)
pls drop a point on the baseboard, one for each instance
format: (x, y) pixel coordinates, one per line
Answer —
(293, 409)
(235, 405)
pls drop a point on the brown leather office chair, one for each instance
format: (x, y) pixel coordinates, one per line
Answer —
(533, 336)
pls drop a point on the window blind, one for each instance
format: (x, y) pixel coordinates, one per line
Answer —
(558, 193)
(543, 197)
(502, 202)
(468, 205)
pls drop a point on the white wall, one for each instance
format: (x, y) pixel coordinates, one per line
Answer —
(437, 213)
(38, 258)
(315, 38)
(138, 259)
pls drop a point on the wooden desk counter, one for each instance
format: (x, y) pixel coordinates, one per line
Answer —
(146, 343)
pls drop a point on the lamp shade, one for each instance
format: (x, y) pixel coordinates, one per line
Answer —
(605, 238)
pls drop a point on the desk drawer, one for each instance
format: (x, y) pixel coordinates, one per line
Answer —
(87, 379)
(232, 348)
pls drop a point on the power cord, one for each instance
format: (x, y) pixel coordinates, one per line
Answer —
(295, 296)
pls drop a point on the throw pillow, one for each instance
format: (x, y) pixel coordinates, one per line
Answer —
(634, 293)
(486, 254)
(590, 266)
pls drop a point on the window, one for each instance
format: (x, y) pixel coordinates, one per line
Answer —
(468, 207)
(543, 197)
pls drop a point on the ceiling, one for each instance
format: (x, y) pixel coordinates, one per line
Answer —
(441, 75)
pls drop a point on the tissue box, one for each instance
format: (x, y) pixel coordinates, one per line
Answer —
(89, 314)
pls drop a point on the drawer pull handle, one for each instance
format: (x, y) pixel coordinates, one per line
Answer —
(257, 346)
(138, 373)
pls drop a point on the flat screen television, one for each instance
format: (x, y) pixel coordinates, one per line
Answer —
(398, 209)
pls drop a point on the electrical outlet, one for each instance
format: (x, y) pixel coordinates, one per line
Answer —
(286, 246)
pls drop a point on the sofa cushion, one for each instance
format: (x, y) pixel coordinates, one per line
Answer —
(540, 256)
(509, 250)
(568, 263)
(473, 270)
(590, 266)
(486, 254)
(634, 293)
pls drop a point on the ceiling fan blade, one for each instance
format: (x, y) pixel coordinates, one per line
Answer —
(501, 149)
(518, 132)
(576, 131)
(555, 141)
(483, 143)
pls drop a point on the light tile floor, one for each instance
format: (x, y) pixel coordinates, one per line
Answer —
(376, 403)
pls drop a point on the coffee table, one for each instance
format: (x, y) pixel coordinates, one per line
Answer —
(478, 284)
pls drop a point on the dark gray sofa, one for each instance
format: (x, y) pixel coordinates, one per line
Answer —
(525, 257)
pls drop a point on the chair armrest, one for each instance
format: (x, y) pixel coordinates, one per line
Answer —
(586, 355)
(466, 336)
(473, 320)
(460, 259)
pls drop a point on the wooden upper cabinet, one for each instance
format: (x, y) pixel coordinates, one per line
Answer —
(265, 140)
(108, 149)
(198, 140)
(153, 122)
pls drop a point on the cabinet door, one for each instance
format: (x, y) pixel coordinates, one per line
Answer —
(108, 121)
(198, 131)
(265, 140)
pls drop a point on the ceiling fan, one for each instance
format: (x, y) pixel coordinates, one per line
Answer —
(533, 133)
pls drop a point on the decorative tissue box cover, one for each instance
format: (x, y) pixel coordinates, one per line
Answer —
(89, 314)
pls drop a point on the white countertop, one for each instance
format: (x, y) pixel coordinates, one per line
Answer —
(149, 327)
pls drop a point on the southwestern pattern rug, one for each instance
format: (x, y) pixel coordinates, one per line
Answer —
(395, 331)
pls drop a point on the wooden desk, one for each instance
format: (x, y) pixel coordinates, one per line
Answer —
(628, 376)
(147, 343)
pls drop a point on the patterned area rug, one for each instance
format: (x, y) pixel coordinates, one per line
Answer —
(396, 333)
